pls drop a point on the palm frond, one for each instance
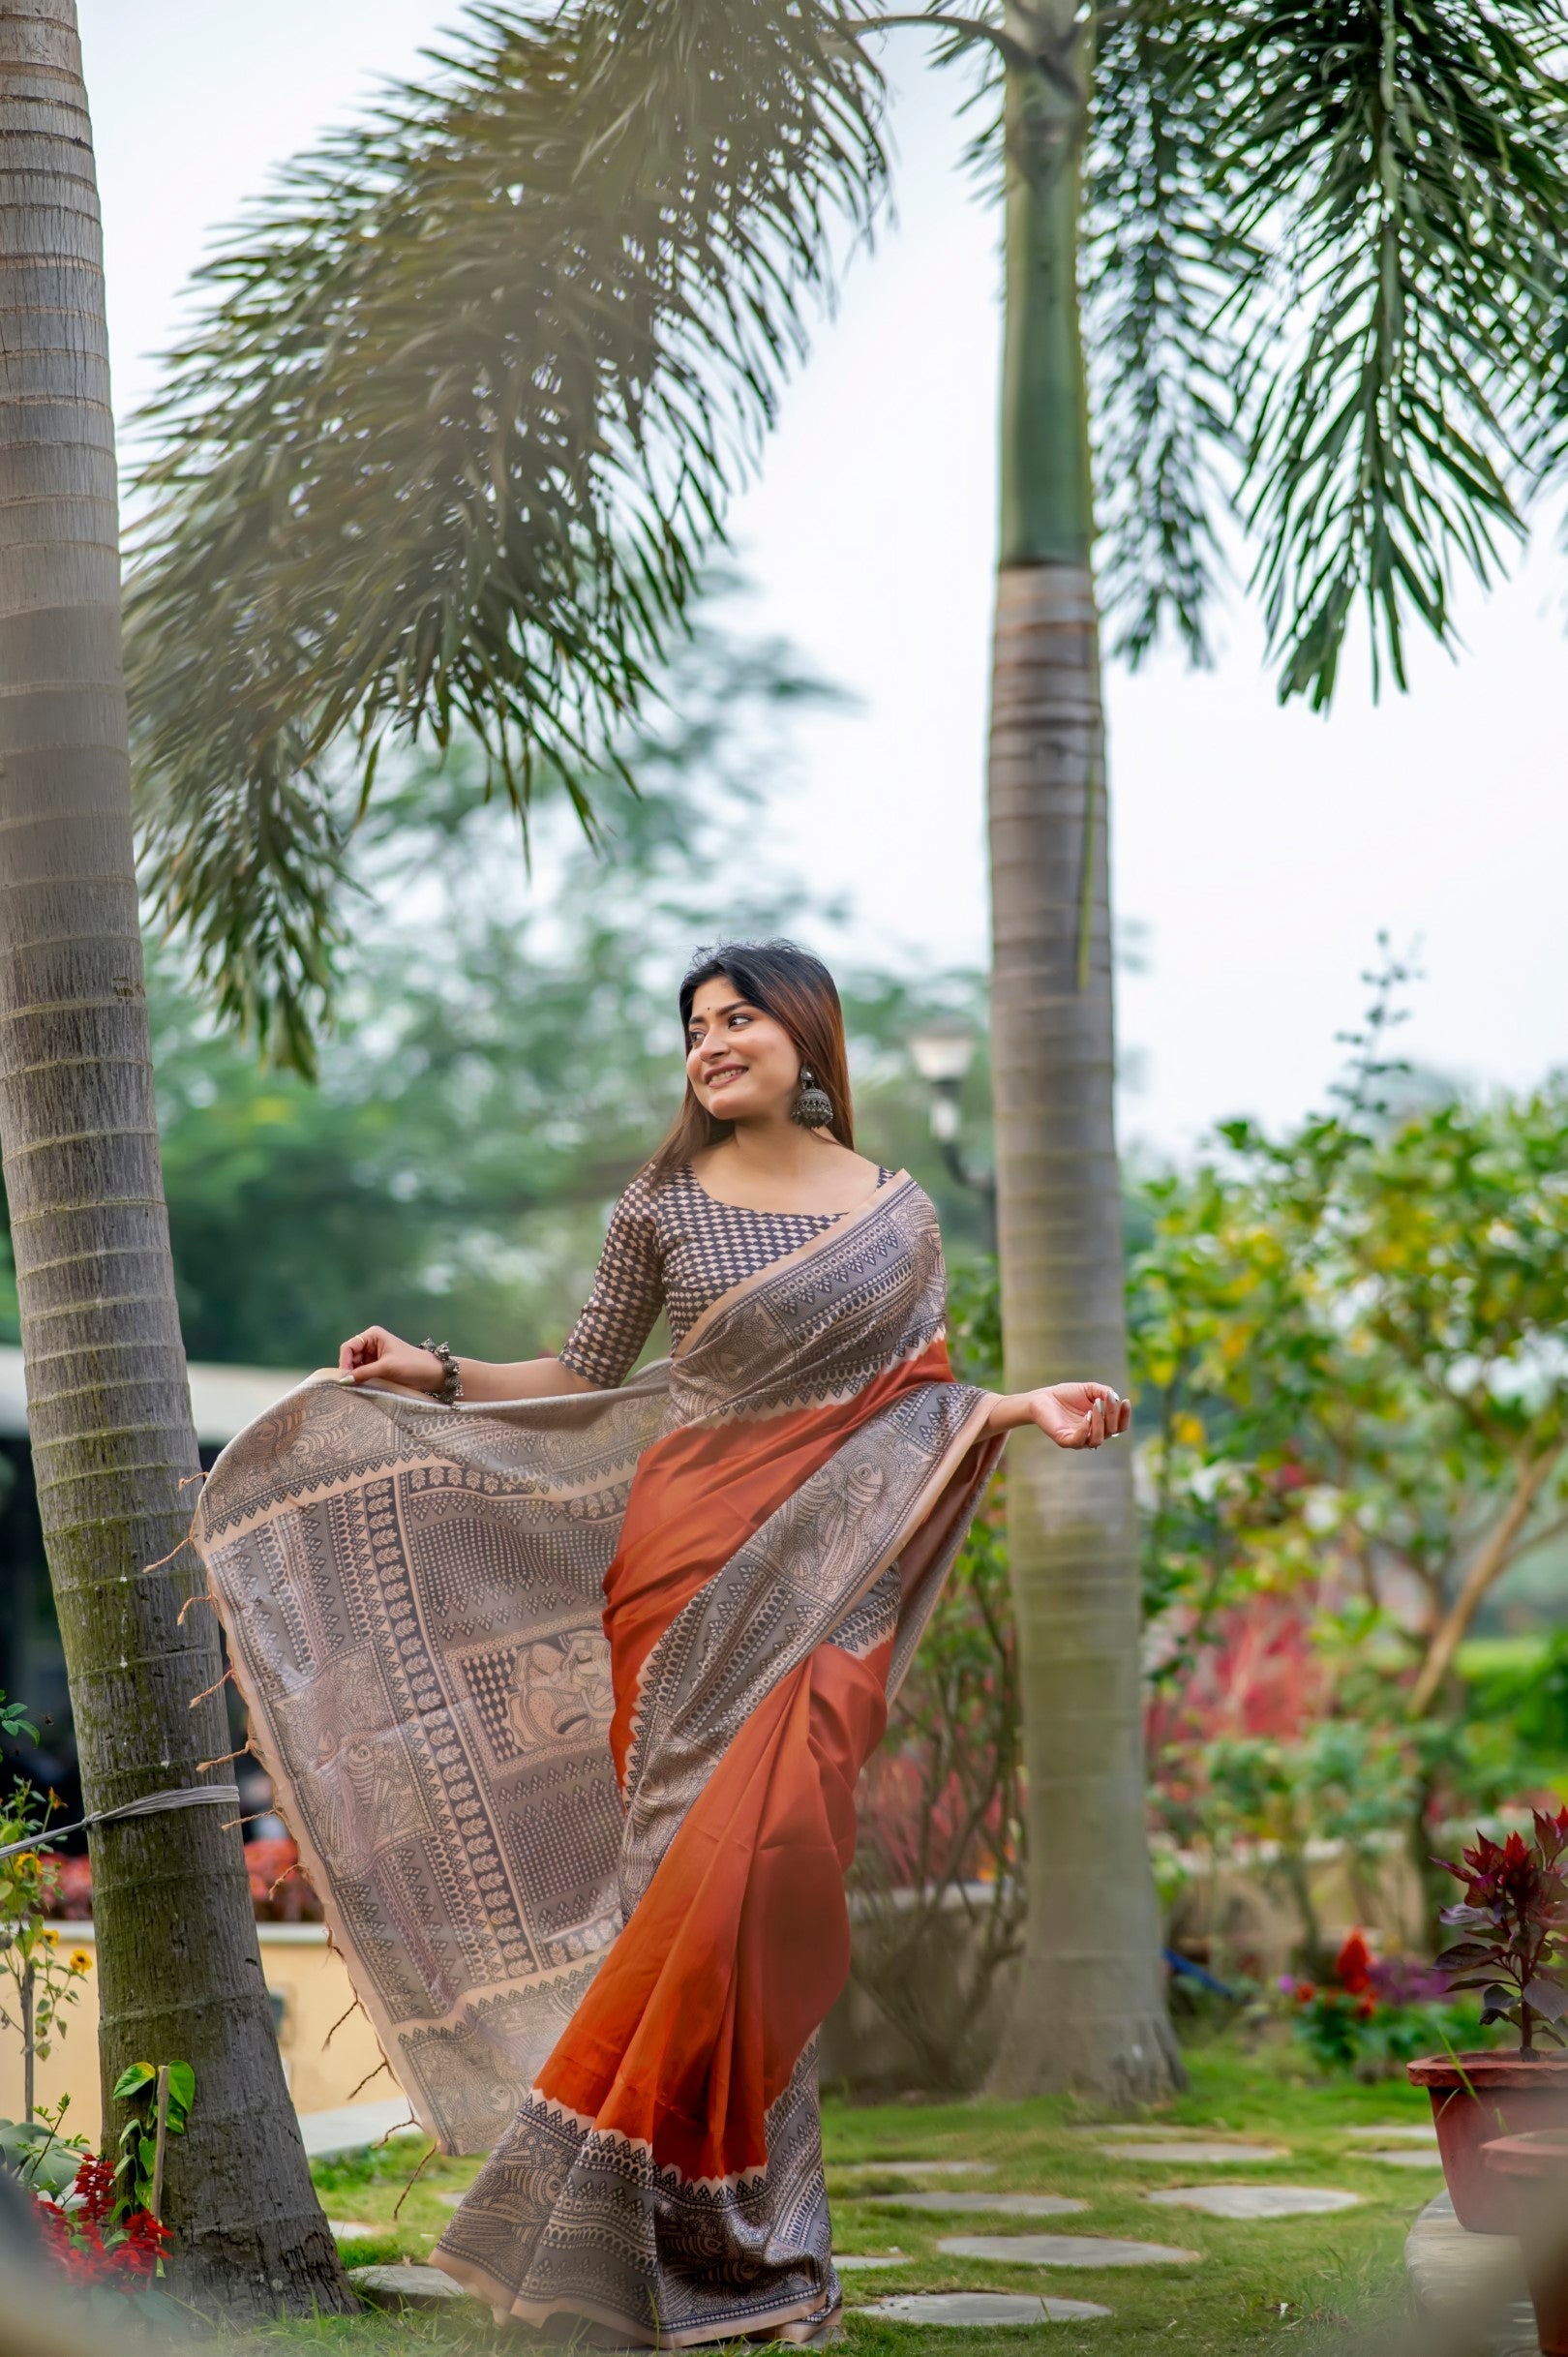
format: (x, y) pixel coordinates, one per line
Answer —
(1403, 164)
(456, 431)
(1158, 255)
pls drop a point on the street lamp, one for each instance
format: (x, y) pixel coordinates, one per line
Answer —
(942, 1052)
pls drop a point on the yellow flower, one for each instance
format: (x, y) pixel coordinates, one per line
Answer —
(26, 1863)
(80, 1960)
(51, 1938)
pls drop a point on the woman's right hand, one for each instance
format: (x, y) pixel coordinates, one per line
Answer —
(379, 1358)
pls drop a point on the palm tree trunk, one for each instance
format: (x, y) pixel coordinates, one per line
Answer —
(1090, 2011)
(108, 1402)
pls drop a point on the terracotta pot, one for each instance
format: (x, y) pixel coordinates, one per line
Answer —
(1477, 2098)
(1530, 2174)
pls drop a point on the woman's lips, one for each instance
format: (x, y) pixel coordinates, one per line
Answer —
(726, 1072)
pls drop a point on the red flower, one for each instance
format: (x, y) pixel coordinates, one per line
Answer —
(88, 2243)
(1352, 1966)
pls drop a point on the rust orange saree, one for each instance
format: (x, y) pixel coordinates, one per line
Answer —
(565, 1702)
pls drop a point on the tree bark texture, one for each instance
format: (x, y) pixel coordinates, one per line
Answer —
(108, 1400)
(1090, 2011)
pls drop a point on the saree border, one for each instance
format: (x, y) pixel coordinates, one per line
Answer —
(506, 2307)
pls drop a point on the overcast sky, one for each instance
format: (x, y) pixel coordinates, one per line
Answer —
(1258, 850)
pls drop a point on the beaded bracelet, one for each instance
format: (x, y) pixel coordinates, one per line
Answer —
(451, 1389)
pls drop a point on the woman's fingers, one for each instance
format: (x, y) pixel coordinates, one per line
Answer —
(1105, 1414)
(361, 1353)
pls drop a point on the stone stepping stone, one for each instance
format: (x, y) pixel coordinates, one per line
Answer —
(917, 2168)
(1392, 2135)
(406, 2287)
(853, 2259)
(980, 2308)
(989, 2205)
(1187, 2153)
(1406, 2158)
(1065, 2250)
(1254, 2200)
(342, 2230)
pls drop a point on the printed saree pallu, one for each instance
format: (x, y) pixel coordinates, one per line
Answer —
(565, 1702)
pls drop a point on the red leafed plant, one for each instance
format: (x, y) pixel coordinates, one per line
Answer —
(1514, 1916)
(96, 2240)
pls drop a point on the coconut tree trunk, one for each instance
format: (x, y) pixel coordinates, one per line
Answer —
(1090, 2010)
(108, 1401)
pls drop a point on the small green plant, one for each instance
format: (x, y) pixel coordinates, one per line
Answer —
(163, 2095)
(101, 2220)
(45, 1977)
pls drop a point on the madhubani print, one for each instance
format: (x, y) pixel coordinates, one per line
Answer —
(615, 2238)
(795, 1583)
(412, 1599)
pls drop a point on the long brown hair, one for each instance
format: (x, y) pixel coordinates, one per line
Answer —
(800, 993)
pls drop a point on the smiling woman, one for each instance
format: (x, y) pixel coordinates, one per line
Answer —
(566, 1682)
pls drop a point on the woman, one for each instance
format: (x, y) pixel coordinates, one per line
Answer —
(566, 1683)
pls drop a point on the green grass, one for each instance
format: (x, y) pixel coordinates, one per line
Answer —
(1289, 2284)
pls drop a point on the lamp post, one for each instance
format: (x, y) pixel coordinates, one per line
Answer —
(942, 1054)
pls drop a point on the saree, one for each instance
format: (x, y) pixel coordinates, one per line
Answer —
(565, 1702)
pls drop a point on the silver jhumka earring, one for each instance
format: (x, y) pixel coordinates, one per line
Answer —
(813, 1107)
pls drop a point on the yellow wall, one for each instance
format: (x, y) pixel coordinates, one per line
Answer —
(298, 1964)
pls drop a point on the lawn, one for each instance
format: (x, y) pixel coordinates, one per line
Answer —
(1287, 2283)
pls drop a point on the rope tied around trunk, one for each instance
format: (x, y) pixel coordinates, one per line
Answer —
(188, 1797)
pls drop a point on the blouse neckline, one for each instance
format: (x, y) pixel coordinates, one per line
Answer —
(752, 1213)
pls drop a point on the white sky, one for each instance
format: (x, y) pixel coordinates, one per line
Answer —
(1260, 851)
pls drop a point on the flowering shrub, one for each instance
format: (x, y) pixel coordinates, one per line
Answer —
(1375, 2014)
(1514, 1915)
(96, 2242)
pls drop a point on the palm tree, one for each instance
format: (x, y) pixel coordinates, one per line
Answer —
(460, 423)
(108, 1402)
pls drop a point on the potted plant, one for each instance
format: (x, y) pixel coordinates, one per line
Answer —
(1514, 1949)
(1531, 2175)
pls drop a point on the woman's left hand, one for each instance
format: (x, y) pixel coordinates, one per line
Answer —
(1075, 1416)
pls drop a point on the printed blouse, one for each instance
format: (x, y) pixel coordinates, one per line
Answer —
(674, 1248)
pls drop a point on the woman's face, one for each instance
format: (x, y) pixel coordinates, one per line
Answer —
(741, 1064)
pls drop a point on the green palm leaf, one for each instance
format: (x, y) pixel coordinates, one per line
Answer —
(1398, 167)
(456, 430)
(1160, 255)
